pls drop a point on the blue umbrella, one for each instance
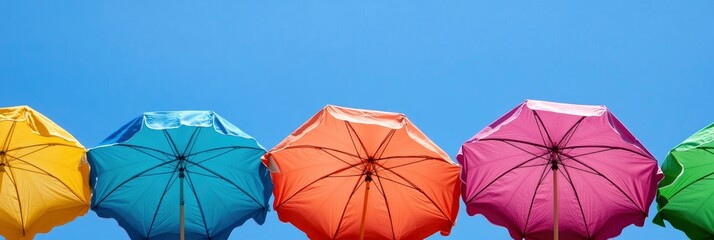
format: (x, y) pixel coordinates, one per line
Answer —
(169, 175)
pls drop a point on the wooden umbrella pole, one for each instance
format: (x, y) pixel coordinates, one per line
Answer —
(181, 207)
(364, 208)
(555, 203)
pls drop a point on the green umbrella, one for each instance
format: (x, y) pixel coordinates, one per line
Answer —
(686, 194)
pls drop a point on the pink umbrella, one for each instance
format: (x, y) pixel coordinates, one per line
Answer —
(603, 178)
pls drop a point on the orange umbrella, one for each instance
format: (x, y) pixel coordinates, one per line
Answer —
(349, 173)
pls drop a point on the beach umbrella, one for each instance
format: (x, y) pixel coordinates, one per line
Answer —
(176, 175)
(358, 174)
(686, 194)
(43, 174)
(547, 170)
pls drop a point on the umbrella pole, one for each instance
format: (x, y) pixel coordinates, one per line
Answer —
(181, 207)
(368, 179)
(555, 202)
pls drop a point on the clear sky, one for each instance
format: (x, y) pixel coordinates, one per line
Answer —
(451, 66)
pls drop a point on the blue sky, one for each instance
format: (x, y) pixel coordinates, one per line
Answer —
(451, 66)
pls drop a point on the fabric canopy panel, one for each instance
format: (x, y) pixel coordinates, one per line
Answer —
(511, 171)
(349, 174)
(686, 195)
(43, 174)
(150, 170)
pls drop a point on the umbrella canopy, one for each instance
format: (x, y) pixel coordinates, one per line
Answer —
(685, 195)
(549, 169)
(349, 173)
(43, 174)
(161, 163)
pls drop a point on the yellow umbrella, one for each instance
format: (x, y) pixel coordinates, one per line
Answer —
(43, 174)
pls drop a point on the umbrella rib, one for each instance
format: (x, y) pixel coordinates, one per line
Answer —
(141, 150)
(534, 165)
(577, 168)
(569, 134)
(539, 123)
(384, 195)
(229, 181)
(611, 182)
(191, 142)
(519, 148)
(593, 152)
(503, 174)
(414, 156)
(410, 163)
(53, 176)
(530, 207)
(198, 202)
(514, 140)
(384, 143)
(605, 146)
(313, 182)
(19, 203)
(585, 154)
(170, 140)
(577, 197)
(155, 174)
(707, 150)
(394, 181)
(349, 126)
(418, 189)
(320, 148)
(695, 181)
(28, 170)
(169, 183)
(344, 210)
(341, 160)
(221, 148)
(218, 155)
(37, 150)
(378, 188)
(127, 180)
(205, 175)
(43, 144)
(325, 150)
(6, 143)
(351, 175)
